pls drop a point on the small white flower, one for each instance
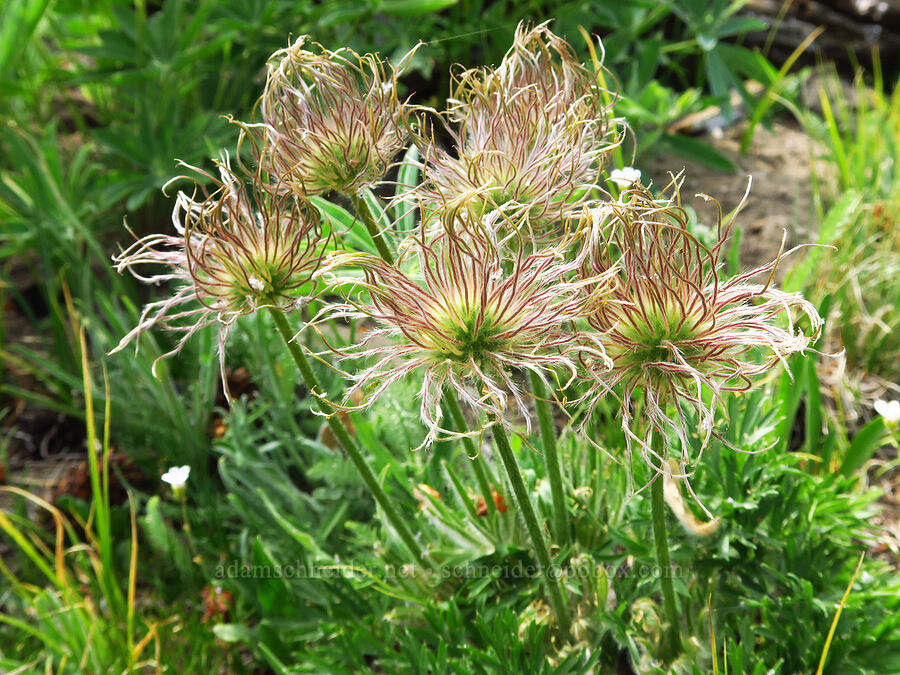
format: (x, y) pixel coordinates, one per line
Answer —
(386, 87)
(256, 284)
(177, 476)
(625, 177)
(889, 410)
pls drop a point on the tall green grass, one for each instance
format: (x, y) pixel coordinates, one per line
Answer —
(854, 272)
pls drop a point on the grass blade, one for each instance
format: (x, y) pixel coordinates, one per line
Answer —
(20, 18)
(863, 446)
(837, 616)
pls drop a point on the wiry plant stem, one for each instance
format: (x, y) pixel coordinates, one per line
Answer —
(365, 214)
(558, 598)
(374, 230)
(593, 472)
(347, 442)
(551, 460)
(476, 457)
(671, 639)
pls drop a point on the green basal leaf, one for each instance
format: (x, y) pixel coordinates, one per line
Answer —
(696, 150)
(863, 446)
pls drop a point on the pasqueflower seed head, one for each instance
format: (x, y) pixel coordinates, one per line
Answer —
(529, 137)
(333, 120)
(540, 182)
(466, 317)
(236, 249)
(541, 79)
(676, 331)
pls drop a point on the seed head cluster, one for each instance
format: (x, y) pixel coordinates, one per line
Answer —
(520, 261)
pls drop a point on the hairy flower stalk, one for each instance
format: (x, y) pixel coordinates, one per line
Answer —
(558, 597)
(681, 336)
(671, 634)
(529, 137)
(468, 316)
(332, 119)
(343, 436)
(237, 248)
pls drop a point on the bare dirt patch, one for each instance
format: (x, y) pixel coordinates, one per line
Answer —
(779, 160)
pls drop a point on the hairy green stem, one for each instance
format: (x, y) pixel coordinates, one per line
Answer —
(671, 639)
(551, 459)
(365, 214)
(592, 469)
(346, 440)
(557, 595)
(484, 483)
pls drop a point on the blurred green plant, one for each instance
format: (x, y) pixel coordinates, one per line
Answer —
(858, 198)
(673, 59)
(71, 604)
